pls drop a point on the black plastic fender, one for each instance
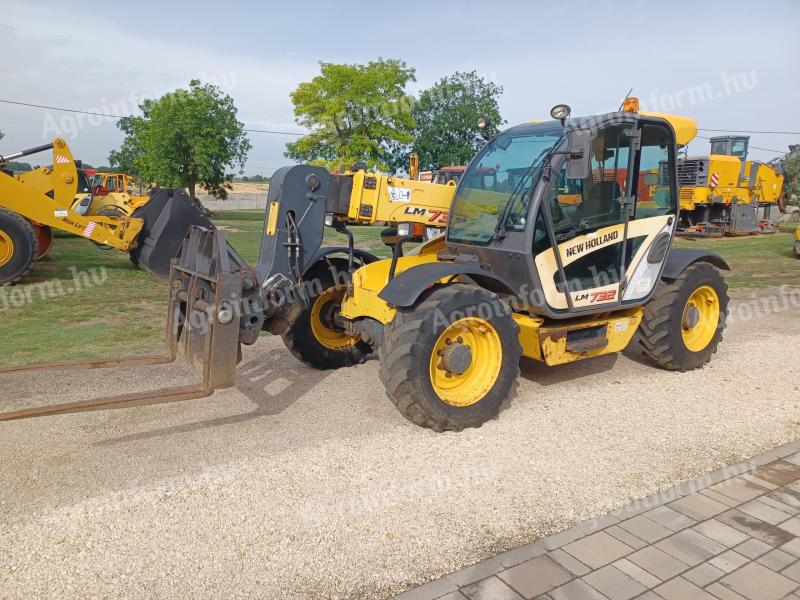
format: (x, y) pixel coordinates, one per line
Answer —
(680, 259)
(406, 287)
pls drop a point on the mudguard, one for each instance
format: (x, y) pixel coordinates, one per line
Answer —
(406, 288)
(361, 256)
(680, 259)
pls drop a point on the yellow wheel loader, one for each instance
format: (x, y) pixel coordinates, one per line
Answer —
(59, 198)
(552, 251)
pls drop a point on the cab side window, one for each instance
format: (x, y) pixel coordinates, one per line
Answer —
(654, 193)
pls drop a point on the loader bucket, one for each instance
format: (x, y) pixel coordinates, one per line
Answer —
(167, 217)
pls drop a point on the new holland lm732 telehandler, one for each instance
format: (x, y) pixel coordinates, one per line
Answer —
(549, 253)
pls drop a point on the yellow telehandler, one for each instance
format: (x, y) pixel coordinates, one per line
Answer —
(552, 251)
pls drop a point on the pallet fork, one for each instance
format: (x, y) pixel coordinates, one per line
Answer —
(206, 281)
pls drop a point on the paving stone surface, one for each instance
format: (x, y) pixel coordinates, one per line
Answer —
(728, 535)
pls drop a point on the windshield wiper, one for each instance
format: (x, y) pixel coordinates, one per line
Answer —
(500, 228)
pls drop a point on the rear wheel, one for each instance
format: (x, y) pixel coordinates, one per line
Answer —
(450, 362)
(684, 322)
(18, 247)
(44, 237)
(315, 337)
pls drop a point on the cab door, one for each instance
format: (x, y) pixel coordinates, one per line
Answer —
(603, 226)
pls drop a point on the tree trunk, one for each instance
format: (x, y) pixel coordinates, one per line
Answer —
(192, 185)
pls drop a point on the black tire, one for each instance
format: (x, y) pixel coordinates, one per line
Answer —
(300, 338)
(22, 250)
(660, 333)
(410, 341)
(109, 211)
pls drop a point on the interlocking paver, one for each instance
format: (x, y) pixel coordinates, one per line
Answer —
(792, 547)
(786, 495)
(690, 547)
(512, 558)
(739, 489)
(490, 589)
(598, 549)
(669, 518)
(698, 506)
(721, 533)
(721, 498)
(454, 596)
(753, 548)
(481, 570)
(723, 593)
(569, 562)
(775, 503)
(774, 475)
(787, 467)
(614, 584)
(759, 510)
(703, 574)
(626, 537)
(755, 527)
(576, 590)
(792, 572)
(777, 559)
(758, 481)
(681, 589)
(792, 526)
(793, 458)
(535, 577)
(644, 528)
(636, 572)
(757, 582)
(729, 561)
(654, 561)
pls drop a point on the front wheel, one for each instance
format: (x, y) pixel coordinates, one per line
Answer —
(684, 321)
(315, 338)
(450, 362)
(18, 247)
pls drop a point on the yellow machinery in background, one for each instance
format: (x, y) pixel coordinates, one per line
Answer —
(724, 193)
(797, 242)
(59, 197)
(114, 191)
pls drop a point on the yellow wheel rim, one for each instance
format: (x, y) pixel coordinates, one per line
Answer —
(6, 248)
(700, 318)
(321, 325)
(465, 362)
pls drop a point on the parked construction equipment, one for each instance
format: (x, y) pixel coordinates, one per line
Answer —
(724, 193)
(548, 254)
(59, 198)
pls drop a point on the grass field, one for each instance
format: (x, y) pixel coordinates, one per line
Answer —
(82, 302)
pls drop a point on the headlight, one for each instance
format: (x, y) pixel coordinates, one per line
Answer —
(404, 229)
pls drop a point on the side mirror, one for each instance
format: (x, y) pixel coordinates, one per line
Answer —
(579, 143)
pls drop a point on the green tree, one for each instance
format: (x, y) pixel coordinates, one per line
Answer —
(184, 139)
(355, 113)
(446, 117)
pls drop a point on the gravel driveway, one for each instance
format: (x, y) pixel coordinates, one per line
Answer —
(305, 484)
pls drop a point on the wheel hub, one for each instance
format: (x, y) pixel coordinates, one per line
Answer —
(691, 317)
(456, 358)
(6, 248)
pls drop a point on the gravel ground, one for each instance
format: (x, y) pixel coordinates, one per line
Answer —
(305, 484)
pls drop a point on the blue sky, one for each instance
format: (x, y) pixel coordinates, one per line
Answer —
(726, 64)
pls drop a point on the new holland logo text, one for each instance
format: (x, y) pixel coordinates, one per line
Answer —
(592, 243)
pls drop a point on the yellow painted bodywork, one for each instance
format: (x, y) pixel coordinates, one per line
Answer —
(797, 242)
(733, 186)
(377, 198)
(29, 196)
(685, 127)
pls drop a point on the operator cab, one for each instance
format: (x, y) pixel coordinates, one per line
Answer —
(577, 214)
(730, 145)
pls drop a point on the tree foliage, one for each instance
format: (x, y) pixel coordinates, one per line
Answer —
(446, 117)
(355, 113)
(186, 138)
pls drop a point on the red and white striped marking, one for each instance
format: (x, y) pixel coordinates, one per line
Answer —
(714, 179)
(62, 160)
(87, 231)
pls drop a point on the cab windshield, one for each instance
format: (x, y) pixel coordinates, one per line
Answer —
(495, 190)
